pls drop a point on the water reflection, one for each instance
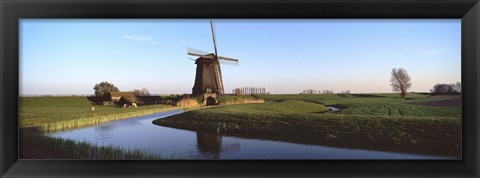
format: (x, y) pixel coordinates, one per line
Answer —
(210, 145)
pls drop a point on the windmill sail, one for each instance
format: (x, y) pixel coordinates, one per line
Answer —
(218, 76)
(228, 58)
(227, 62)
(196, 52)
(212, 26)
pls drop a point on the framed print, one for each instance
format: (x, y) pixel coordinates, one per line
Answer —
(268, 88)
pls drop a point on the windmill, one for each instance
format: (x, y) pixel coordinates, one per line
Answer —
(208, 77)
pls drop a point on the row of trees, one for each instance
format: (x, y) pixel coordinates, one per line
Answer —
(441, 88)
(249, 90)
(313, 91)
(104, 88)
(141, 92)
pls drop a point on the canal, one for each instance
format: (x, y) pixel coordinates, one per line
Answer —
(140, 133)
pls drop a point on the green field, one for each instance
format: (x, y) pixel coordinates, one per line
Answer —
(373, 121)
(376, 104)
(58, 113)
(288, 106)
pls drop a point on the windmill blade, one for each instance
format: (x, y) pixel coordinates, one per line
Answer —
(220, 87)
(227, 58)
(228, 62)
(196, 52)
(212, 26)
(219, 83)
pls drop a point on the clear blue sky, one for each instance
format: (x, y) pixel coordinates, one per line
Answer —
(285, 56)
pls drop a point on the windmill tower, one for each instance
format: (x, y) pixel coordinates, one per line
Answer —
(208, 77)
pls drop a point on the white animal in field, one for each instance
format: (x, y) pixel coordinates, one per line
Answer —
(93, 109)
(124, 105)
(134, 105)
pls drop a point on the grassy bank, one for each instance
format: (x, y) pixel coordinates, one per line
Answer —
(389, 104)
(62, 113)
(361, 124)
(34, 145)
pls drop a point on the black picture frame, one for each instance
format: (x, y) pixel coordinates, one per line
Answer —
(13, 10)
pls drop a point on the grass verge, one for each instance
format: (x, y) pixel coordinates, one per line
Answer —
(82, 122)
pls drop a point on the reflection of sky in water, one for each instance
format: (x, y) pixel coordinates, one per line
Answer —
(141, 133)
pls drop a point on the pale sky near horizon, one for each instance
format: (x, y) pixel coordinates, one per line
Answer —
(285, 56)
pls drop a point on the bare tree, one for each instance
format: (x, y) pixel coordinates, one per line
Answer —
(137, 92)
(145, 91)
(142, 92)
(400, 81)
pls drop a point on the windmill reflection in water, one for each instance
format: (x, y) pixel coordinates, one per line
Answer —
(210, 146)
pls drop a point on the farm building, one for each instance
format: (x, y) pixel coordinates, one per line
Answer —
(127, 98)
(130, 99)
